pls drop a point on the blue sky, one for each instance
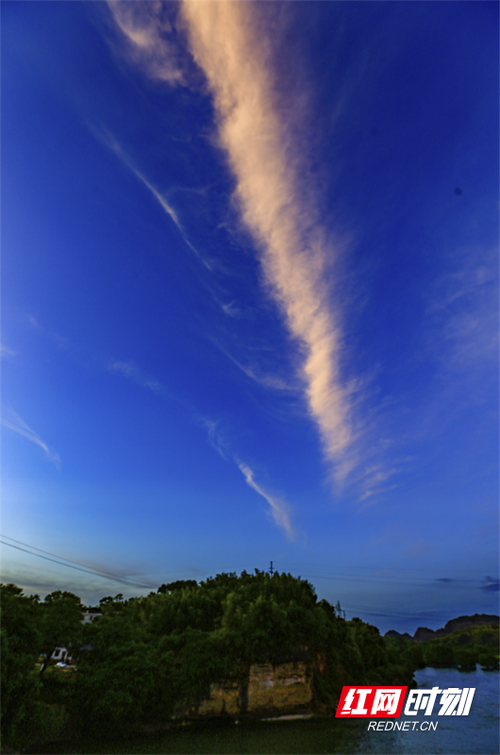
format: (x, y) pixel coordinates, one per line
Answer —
(250, 297)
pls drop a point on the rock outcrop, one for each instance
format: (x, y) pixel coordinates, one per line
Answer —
(461, 622)
(280, 689)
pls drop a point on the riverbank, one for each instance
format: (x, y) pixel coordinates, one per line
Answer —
(74, 739)
(320, 735)
(306, 734)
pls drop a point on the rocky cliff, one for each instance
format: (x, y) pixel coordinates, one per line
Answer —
(284, 688)
(461, 622)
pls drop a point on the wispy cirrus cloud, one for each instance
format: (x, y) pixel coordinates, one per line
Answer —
(151, 39)
(132, 372)
(371, 482)
(215, 438)
(33, 322)
(491, 584)
(128, 369)
(16, 424)
(370, 492)
(462, 307)
(5, 351)
(107, 138)
(279, 509)
(258, 375)
(231, 309)
(266, 379)
(274, 192)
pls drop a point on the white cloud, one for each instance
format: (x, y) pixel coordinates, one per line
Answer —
(215, 438)
(279, 509)
(34, 322)
(255, 373)
(18, 425)
(231, 309)
(104, 135)
(126, 368)
(377, 491)
(272, 193)
(463, 313)
(265, 379)
(132, 372)
(150, 37)
(6, 352)
(373, 477)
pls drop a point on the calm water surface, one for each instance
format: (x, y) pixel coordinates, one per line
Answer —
(475, 734)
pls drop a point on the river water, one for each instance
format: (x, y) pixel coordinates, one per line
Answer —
(475, 734)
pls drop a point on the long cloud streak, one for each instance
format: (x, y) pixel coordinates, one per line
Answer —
(150, 38)
(278, 507)
(265, 162)
(272, 188)
(111, 142)
(18, 425)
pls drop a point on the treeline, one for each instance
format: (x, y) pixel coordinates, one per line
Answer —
(463, 648)
(145, 660)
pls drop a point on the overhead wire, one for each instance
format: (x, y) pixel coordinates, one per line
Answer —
(63, 561)
(69, 564)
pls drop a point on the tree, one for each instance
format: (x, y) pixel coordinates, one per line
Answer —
(61, 622)
(21, 639)
(181, 584)
(122, 676)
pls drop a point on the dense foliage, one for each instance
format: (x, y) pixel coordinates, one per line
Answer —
(157, 656)
(21, 638)
(463, 648)
(145, 660)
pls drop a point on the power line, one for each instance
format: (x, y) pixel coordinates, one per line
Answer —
(390, 579)
(390, 615)
(48, 553)
(325, 568)
(70, 564)
(54, 558)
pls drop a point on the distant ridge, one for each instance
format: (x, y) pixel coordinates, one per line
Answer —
(461, 622)
(397, 635)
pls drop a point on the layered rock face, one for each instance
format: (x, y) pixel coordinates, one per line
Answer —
(224, 700)
(283, 687)
(277, 689)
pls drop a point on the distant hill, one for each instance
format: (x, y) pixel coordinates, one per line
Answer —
(397, 635)
(461, 622)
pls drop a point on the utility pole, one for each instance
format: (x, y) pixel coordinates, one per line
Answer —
(271, 570)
